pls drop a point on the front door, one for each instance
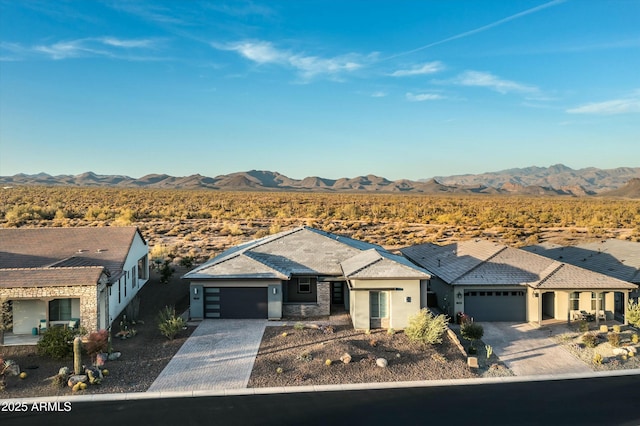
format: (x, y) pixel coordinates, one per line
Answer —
(337, 295)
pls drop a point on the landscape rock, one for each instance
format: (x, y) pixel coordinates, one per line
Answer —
(114, 356)
(101, 359)
(619, 351)
(346, 358)
(64, 371)
(382, 363)
(472, 361)
(632, 349)
(77, 378)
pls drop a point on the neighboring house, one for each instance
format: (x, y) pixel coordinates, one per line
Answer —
(54, 275)
(616, 258)
(306, 272)
(493, 282)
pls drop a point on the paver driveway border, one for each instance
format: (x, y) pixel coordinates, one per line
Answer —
(529, 351)
(219, 355)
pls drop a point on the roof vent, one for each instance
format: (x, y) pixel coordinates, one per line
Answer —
(100, 250)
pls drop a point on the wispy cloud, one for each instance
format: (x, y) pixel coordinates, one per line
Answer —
(152, 12)
(379, 94)
(482, 28)
(428, 68)
(490, 81)
(263, 52)
(625, 105)
(109, 47)
(241, 9)
(421, 97)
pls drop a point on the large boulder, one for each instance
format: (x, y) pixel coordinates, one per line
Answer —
(77, 378)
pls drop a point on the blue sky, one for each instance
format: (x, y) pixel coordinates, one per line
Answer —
(400, 89)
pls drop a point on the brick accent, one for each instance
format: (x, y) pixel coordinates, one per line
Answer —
(321, 308)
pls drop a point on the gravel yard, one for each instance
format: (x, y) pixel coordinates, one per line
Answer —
(291, 356)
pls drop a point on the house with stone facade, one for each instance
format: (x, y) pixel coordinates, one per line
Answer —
(493, 282)
(70, 276)
(306, 272)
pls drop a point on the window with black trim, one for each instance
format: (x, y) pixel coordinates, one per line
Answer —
(60, 310)
(304, 285)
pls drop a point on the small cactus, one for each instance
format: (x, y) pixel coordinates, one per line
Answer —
(489, 351)
(597, 359)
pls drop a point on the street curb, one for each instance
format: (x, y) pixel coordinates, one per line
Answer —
(318, 388)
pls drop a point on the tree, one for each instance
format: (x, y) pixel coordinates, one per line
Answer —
(166, 272)
(472, 332)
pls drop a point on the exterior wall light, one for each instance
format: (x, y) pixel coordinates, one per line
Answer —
(459, 295)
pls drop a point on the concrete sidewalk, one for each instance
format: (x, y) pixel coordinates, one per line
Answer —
(219, 355)
(529, 351)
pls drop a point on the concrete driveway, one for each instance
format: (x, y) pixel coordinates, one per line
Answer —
(527, 350)
(218, 355)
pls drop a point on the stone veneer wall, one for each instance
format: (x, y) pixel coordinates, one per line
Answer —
(322, 307)
(87, 294)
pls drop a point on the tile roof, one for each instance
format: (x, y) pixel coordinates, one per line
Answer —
(480, 262)
(57, 249)
(616, 258)
(50, 277)
(300, 251)
(372, 264)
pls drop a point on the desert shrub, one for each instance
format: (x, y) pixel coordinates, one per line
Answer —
(597, 359)
(426, 328)
(97, 342)
(617, 328)
(166, 272)
(633, 313)
(169, 323)
(57, 342)
(614, 339)
(590, 340)
(298, 326)
(583, 326)
(635, 338)
(472, 331)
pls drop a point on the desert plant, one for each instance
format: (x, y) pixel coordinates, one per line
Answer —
(77, 355)
(614, 339)
(597, 359)
(489, 350)
(472, 332)
(583, 326)
(327, 362)
(169, 323)
(635, 338)
(590, 340)
(97, 342)
(58, 381)
(284, 334)
(166, 272)
(426, 328)
(279, 370)
(57, 342)
(633, 313)
(617, 328)
(391, 332)
(298, 326)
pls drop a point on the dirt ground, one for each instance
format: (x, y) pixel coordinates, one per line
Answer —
(143, 356)
(300, 358)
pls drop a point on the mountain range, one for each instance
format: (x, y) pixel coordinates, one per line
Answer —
(554, 180)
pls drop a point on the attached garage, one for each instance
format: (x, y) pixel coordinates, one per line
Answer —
(496, 304)
(235, 302)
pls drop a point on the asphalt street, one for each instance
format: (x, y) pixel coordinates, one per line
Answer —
(594, 401)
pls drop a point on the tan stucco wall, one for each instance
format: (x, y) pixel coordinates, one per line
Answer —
(399, 309)
(532, 305)
(562, 301)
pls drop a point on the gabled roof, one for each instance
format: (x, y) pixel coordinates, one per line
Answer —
(616, 258)
(303, 251)
(372, 264)
(55, 248)
(480, 262)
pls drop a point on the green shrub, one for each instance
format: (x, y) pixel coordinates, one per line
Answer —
(57, 343)
(590, 340)
(617, 328)
(426, 328)
(633, 313)
(169, 323)
(472, 331)
(583, 326)
(298, 326)
(614, 339)
(635, 338)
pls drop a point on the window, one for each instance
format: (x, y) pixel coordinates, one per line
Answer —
(134, 278)
(574, 301)
(143, 268)
(304, 285)
(378, 301)
(60, 310)
(595, 306)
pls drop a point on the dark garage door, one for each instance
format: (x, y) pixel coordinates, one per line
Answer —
(496, 305)
(235, 302)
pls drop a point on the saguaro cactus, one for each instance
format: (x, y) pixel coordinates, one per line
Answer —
(77, 355)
